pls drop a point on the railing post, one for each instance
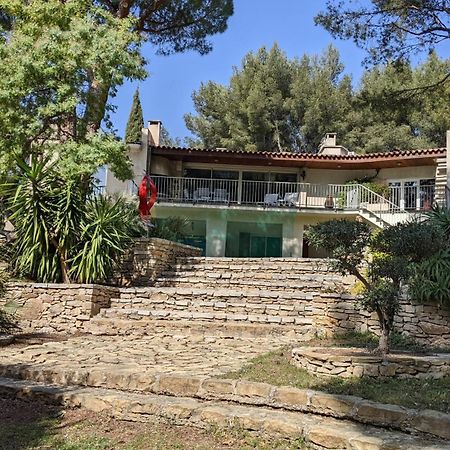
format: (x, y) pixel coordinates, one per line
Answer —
(239, 192)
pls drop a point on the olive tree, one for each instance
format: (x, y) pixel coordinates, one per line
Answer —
(382, 261)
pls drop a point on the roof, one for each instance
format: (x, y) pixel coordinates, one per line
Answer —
(314, 160)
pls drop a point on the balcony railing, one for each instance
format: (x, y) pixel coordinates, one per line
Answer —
(272, 194)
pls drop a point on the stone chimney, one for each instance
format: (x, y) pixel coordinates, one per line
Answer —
(328, 146)
(154, 132)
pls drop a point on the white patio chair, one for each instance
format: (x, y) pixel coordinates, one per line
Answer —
(220, 195)
(290, 199)
(202, 195)
(271, 200)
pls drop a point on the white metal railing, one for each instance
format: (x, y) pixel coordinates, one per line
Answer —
(271, 194)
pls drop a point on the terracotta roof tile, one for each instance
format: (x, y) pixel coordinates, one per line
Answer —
(432, 152)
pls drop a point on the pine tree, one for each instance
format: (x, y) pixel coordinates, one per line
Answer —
(135, 121)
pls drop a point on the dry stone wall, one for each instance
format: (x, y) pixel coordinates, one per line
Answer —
(316, 313)
(148, 259)
(56, 307)
(353, 362)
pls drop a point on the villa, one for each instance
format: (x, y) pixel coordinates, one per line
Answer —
(242, 204)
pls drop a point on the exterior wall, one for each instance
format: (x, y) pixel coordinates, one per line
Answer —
(57, 307)
(216, 219)
(145, 262)
(138, 157)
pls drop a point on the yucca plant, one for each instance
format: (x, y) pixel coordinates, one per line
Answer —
(106, 232)
(63, 233)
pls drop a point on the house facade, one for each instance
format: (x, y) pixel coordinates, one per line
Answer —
(241, 204)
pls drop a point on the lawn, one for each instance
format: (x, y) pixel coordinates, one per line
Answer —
(34, 425)
(275, 368)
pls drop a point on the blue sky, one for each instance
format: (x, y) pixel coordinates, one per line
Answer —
(166, 93)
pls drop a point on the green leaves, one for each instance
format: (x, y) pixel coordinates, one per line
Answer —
(62, 232)
(273, 103)
(55, 54)
(133, 132)
(104, 235)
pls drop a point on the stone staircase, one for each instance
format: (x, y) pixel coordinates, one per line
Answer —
(229, 296)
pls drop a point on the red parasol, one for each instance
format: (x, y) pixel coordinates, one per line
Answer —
(145, 203)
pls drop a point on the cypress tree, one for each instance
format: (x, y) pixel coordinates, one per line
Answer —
(135, 121)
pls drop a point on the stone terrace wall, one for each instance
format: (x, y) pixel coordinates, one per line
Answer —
(148, 259)
(315, 313)
(56, 307)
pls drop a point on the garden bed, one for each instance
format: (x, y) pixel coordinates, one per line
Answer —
(357, 362)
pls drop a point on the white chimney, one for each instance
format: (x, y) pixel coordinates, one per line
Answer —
(328, 146)
(154, 132)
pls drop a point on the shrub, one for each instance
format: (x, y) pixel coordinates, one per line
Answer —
(64, 233)
(394, 251)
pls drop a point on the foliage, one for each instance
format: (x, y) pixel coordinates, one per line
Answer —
(275, 103)
(49, 61)
(394, 251)
(66, 233)
(133, 132)
(172, 228)
(389, 30)
(346, 240)
(431, 278)
(106, 232)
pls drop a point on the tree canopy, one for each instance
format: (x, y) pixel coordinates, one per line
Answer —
(276, 103)
(390, 29)
(62, 61)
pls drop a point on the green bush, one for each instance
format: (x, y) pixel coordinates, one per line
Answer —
(63, 232)
(172, 228)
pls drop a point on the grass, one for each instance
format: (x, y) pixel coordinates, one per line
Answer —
(31, 426)
(275, 368)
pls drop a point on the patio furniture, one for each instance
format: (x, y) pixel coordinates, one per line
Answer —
(290, 199)
(271, 200)
(220, 195)
(202, 195)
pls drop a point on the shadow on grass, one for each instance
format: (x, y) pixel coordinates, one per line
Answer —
(275, 368)
(26, 423)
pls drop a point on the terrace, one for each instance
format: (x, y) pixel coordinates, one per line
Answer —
(397, 206)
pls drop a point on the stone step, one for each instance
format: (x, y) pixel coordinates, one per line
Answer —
(254, 267)
(229, 316)
(307, 285)
(212, 274)
(317, 431)
(220, 307)
(242, 392)
(116, 322)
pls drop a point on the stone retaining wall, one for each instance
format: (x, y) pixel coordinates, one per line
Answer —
(148, 259)
(353, 362)
(56, 307)
(318, 313)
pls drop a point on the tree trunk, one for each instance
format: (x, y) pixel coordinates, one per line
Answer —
(386, 328)
(96, 105)
(383, 343)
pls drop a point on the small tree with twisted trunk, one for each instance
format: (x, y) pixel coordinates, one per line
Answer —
(381, 261)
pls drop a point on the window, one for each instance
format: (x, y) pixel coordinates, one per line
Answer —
(412, 194)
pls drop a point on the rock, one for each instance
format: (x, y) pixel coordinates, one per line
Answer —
(433, 422)
(297, 398)
(378, 413)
